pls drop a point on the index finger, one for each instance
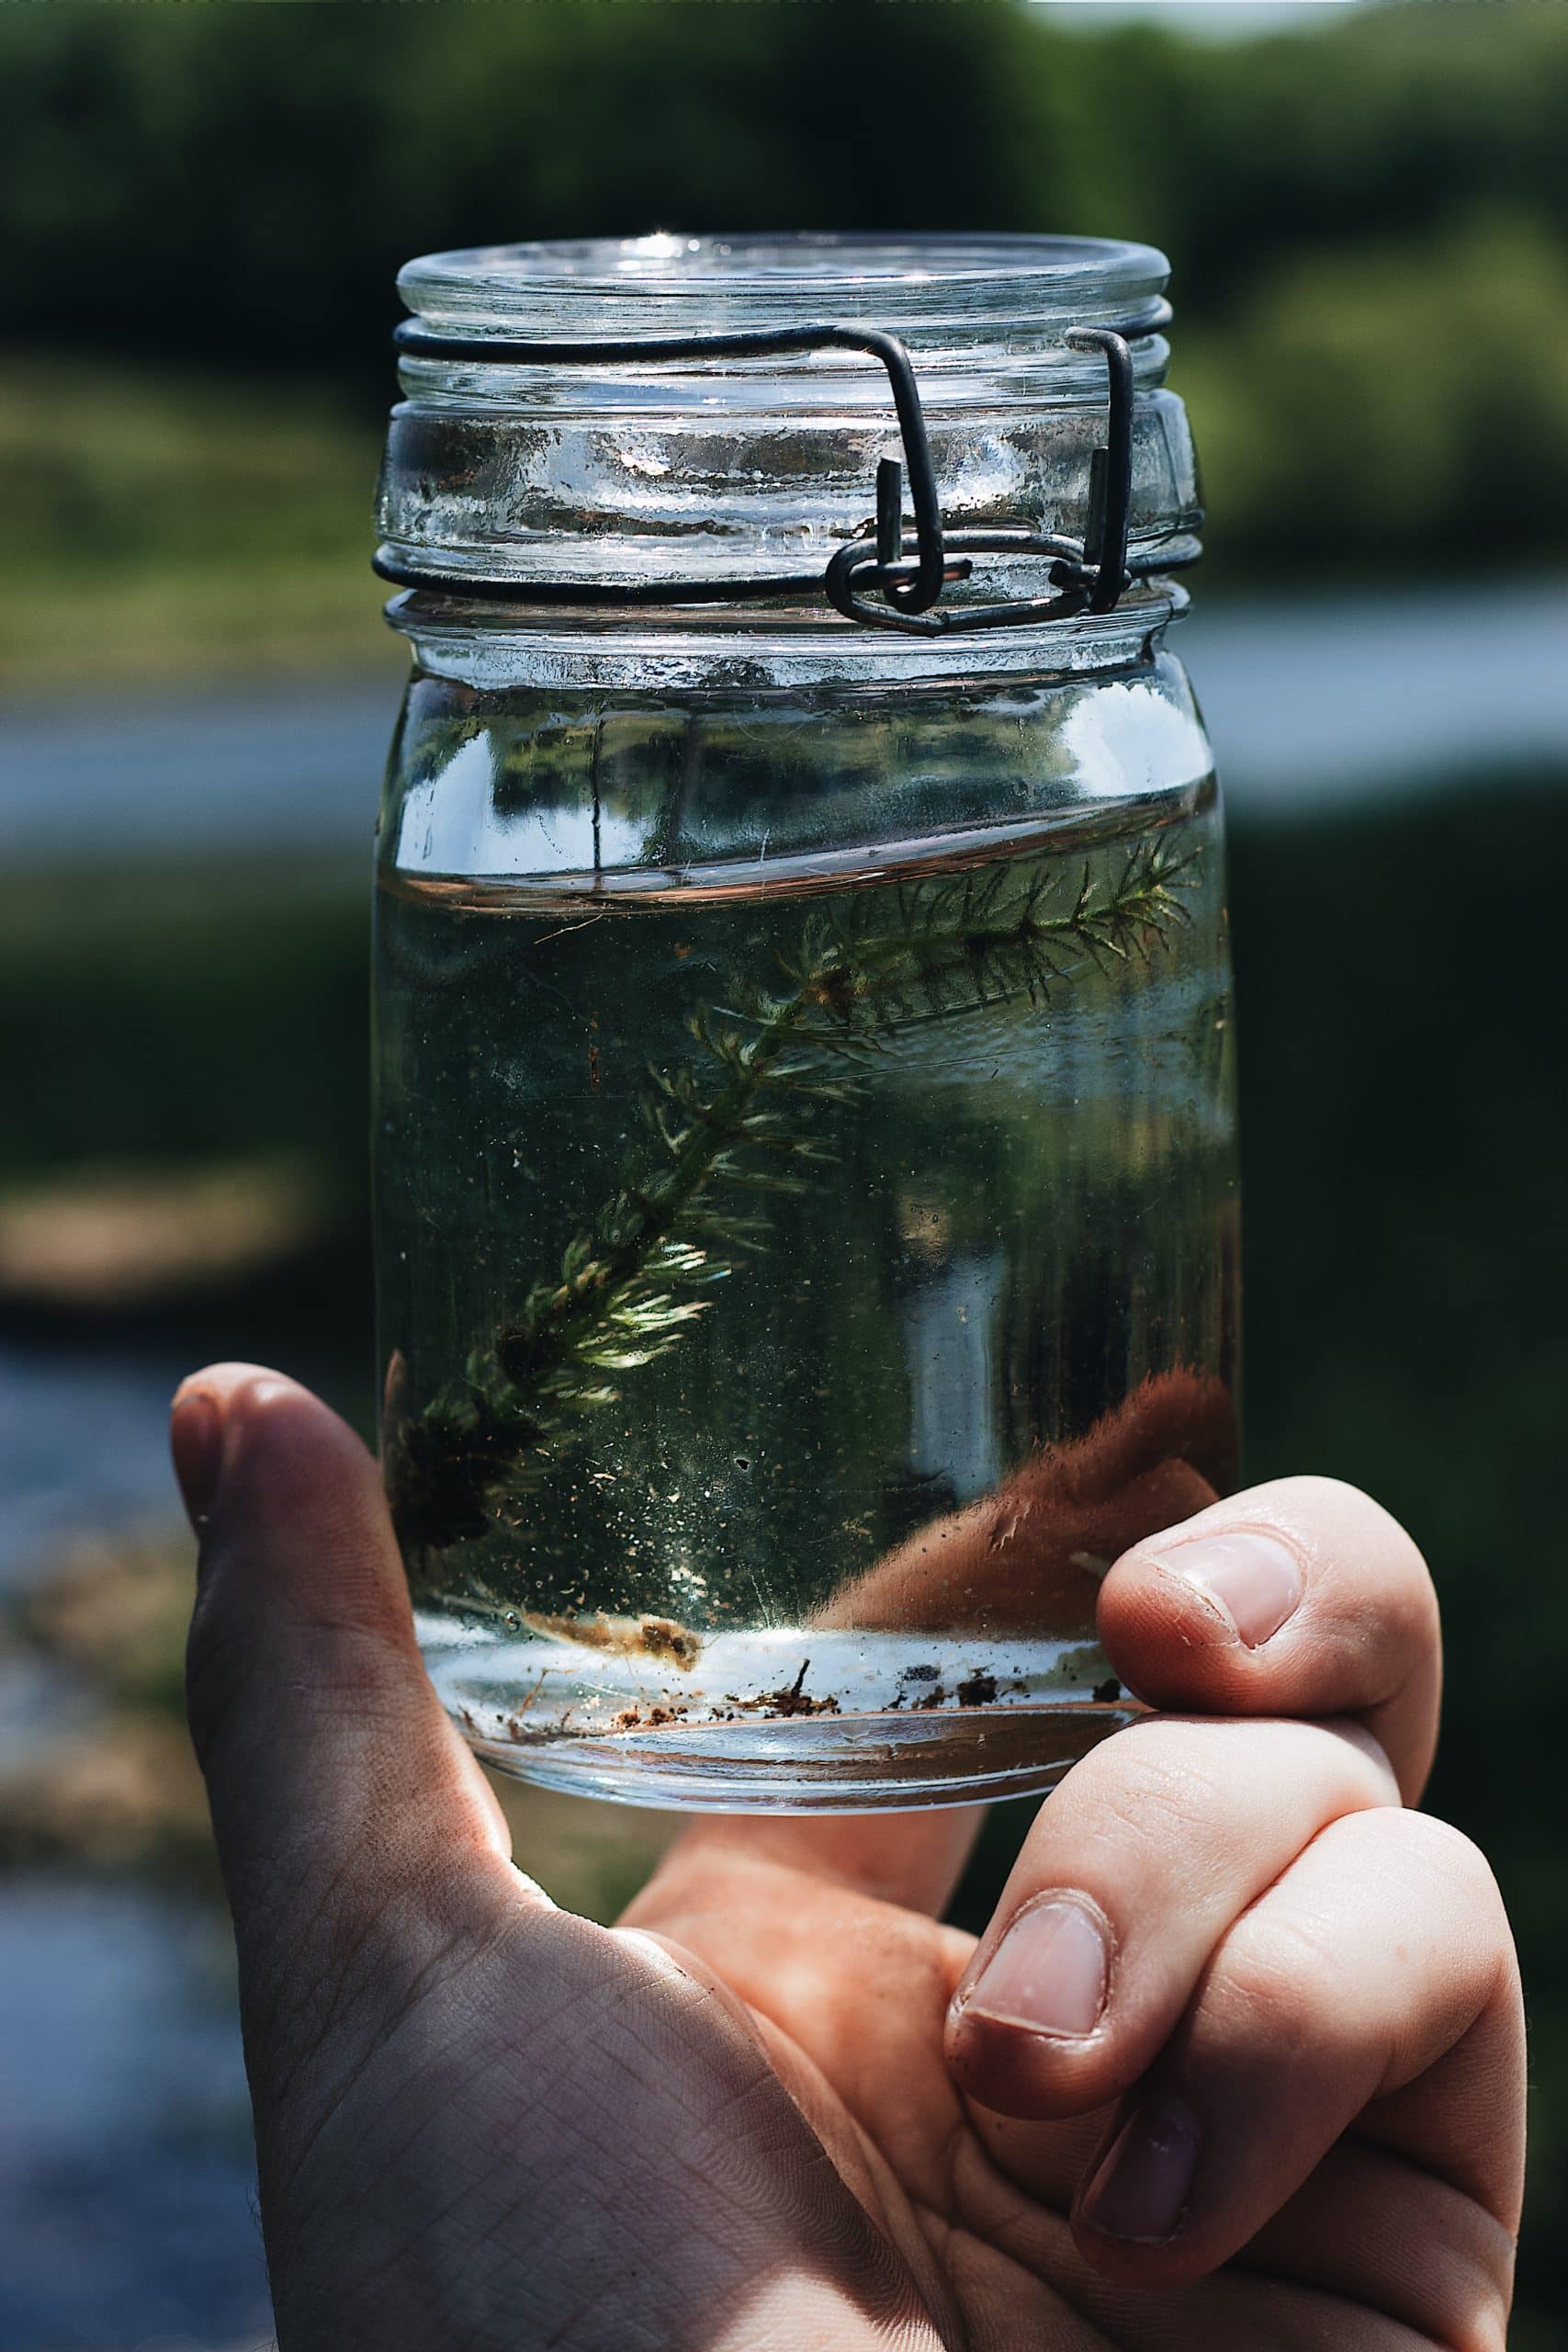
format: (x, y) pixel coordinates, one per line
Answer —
(1299, 1597)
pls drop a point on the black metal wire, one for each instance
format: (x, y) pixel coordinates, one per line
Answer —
(1089, 575)
(1110, 496)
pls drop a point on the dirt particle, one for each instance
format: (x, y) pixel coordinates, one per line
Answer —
(633, 1718)
(788, 1699)
(978, 1690)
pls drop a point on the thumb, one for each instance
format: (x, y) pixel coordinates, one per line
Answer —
(339, 1789)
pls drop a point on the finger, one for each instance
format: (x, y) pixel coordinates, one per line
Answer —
(332, 1768)
(1301, 1597)
(1372, 1985)
(1143, 1860)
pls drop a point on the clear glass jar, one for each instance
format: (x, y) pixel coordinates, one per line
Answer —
(807, 1214)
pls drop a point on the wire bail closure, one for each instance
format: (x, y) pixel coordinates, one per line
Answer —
(906, 569)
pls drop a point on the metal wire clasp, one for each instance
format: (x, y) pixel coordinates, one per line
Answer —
(1088, 575)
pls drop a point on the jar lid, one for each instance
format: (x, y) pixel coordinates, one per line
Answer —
(544, 449)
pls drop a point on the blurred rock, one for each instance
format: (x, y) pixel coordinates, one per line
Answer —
(126, 1794)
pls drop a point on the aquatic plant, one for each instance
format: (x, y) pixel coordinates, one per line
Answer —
(742, 1116)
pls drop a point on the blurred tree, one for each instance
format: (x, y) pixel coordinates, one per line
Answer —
(240, 184)
(1404, 403)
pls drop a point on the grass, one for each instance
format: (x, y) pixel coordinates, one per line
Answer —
(174, 528)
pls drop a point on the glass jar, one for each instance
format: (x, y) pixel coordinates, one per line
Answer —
(807, 1213)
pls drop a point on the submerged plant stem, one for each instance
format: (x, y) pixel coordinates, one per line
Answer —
(624, 1290)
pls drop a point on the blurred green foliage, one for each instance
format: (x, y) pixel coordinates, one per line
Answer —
(206, 208)
(1396, 404)
(185, 1016)
(177, 524)
(240, 183)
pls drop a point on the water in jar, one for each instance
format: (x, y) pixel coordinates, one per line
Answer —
(795, 1291)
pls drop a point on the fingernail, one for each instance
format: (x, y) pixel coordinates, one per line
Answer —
(1141, 2189)
(195, 1440)
(1255, 1581)
(1048, 1973)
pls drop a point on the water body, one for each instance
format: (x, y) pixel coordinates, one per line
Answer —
(127, 2214)
(1312, 703)
(83, 1446)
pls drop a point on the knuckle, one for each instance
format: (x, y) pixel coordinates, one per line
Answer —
(1161, 1787)
(1374, 1762)
(241, 1654)
(1477, 2291)
(1265, 1986)
(1440, 1853)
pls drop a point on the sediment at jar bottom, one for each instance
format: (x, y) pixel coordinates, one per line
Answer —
(783, 1721)
(594, 1678)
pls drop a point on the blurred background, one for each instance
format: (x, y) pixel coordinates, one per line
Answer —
(1367, 210)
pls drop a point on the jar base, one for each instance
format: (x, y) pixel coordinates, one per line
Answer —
(827, 1764)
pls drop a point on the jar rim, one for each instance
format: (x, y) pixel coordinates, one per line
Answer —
(736, 280)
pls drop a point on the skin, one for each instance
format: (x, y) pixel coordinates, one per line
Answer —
(754, 2115)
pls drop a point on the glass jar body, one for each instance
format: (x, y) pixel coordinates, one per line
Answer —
(805, 1200)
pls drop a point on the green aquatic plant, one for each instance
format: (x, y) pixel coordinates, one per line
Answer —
(742, 1116)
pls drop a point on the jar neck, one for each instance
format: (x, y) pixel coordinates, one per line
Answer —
(748, 649)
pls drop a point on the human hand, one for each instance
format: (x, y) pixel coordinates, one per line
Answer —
(755, 2115)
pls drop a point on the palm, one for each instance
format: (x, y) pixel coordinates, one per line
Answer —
(870, 2076)
(541, 2061)
(851, 1994)
(976, 2219)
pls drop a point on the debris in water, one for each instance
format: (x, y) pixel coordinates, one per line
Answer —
(979, 1690)
(788, 1699)
(633, 1718)
(625, 1636)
